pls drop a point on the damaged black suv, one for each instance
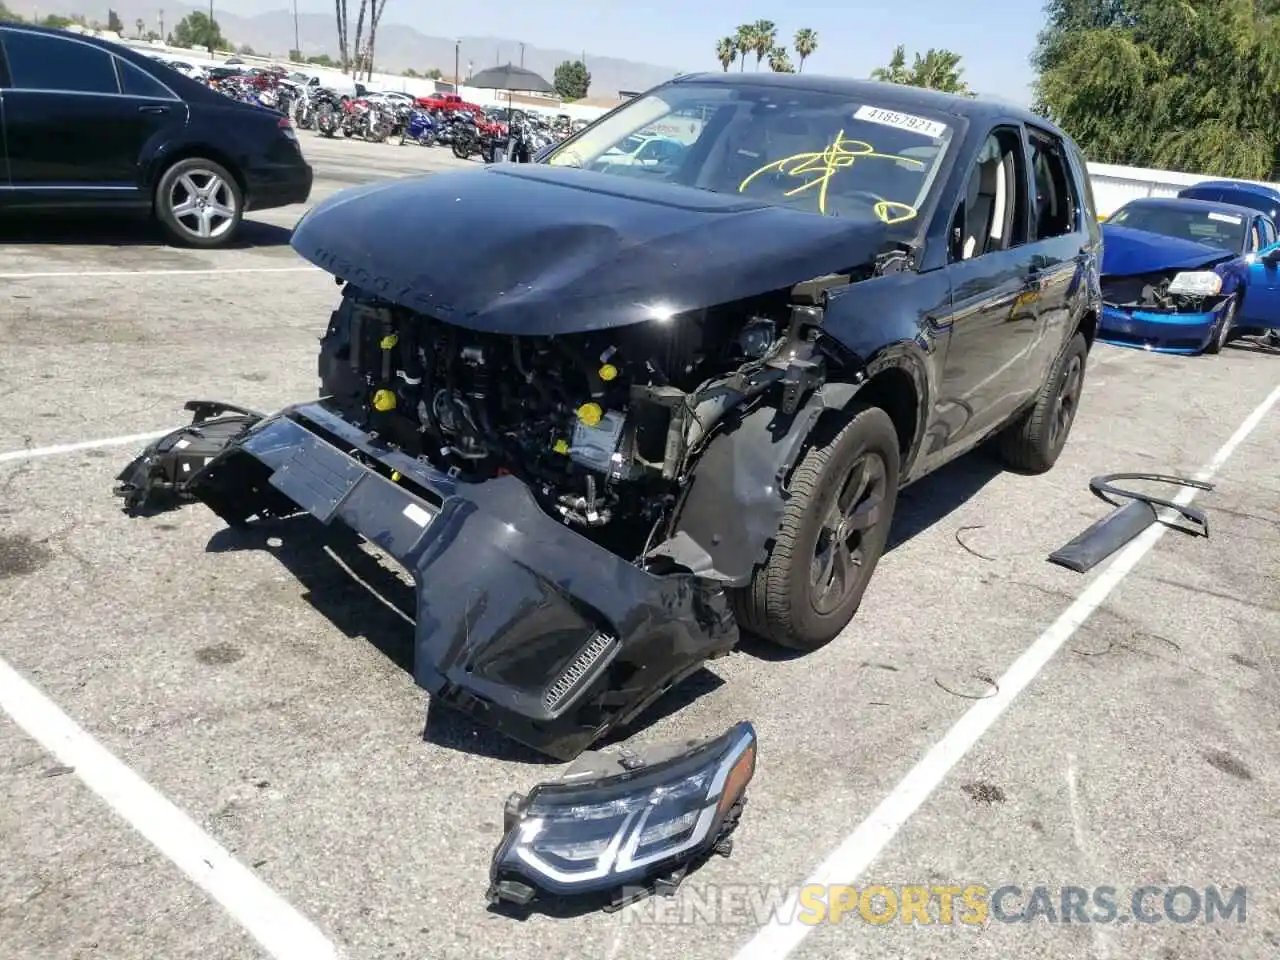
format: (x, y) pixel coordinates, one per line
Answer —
(614, 406)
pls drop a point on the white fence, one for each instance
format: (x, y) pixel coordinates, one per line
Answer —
(1113, 185)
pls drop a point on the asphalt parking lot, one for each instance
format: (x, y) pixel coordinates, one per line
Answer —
(255, 683)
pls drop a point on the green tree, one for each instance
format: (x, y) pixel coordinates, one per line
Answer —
(726, 52)
(434, 73)
(295, 56)
(780, 61)
(572, 80)
(114, 23)
(245, 50)
(139, 25)
(1189, 86)
(57, 21)
(323, 60)
(7, 14)
(197, 30)
(766, 37)
(935, 69)
(744, 41)
(806, 42)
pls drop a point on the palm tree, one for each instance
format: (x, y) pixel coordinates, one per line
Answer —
(936, 70)
(726, 52)
(766, 38)
(896, 71)
(744, 40)
(939, 70)
(780, 61)
(806, 42)
(139, 25)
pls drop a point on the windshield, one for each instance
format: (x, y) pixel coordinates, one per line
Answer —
(1212, 227)
(812, 151)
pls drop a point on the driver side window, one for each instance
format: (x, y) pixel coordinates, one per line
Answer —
(992, 213)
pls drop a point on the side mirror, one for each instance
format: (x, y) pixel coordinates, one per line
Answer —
(1271, 256)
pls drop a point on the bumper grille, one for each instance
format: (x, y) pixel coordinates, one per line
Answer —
(567, 682)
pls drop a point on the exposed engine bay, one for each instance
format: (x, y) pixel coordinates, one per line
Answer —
(602, 426)
(1157, 292)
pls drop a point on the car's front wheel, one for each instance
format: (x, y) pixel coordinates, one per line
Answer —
(1033, 442)
(834, 529)
(1222, 331)
(199, 203)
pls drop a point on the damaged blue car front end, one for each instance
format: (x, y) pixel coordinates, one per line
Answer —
(1166, 294)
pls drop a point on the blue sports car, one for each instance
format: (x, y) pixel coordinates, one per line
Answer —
(1186, 276)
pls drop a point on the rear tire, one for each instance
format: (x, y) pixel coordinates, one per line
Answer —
(1033, 442)
(834, 529)
(199, 204)
(1222, 331)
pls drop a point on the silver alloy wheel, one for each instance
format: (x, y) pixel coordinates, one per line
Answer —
(203, 204)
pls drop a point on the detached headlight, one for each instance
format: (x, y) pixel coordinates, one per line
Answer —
(621, 823)
(1198, 283)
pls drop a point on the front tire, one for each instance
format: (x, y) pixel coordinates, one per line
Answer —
(199, 203)
(1033, 442)
(1222, 331)
(834, 529)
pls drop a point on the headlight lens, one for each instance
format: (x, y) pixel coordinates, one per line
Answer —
(1198, 283)
(622, 820)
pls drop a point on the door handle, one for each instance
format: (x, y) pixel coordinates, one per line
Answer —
(153, 109)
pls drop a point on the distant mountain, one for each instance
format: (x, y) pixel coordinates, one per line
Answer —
(399, 47)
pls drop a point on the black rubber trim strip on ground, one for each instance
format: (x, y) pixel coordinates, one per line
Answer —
(1107, 535)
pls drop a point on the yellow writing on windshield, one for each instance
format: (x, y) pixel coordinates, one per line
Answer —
(820, 166)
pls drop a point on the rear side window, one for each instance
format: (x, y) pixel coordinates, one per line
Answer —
(41, 62)
(1268, 231)
(138, 83)
(1055, 208)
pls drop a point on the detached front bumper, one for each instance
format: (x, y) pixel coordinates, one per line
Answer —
(1183, 333)
(521, 623)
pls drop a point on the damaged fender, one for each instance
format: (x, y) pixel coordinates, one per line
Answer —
(737, 494)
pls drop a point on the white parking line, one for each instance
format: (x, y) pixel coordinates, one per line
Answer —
(279, 929)
(32, 452)
(98, 274)
(845, 865)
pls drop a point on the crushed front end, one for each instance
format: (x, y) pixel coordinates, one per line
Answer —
(537, 489)
(1163, 311)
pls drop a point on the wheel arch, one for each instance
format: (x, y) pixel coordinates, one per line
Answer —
(734, 503)
(196, 150)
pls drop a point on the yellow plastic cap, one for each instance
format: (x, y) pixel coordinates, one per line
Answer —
(387, 342)
(590, 414)
(608, 372)
(384, 400)
(560, 446)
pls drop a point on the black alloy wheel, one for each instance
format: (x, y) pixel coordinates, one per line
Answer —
(840, 565)
(1068, 401)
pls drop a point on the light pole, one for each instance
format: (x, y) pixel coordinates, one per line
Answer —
(457, 77)
(522, 54)
(297, 45)
(210, 29)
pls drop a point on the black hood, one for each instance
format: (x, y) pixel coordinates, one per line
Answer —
(549, 250)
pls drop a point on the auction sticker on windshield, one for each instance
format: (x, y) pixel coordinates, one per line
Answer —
(903, 121)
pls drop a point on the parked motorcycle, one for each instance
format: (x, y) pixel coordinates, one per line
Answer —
(366, 120)
(304, 111)
(420, 127)
(468, 140)
(328, 109)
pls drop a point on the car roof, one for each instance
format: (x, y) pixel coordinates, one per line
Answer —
(1242, 186)
(897, 96)
(1189, 204)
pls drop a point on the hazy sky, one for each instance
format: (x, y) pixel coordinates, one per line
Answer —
(994, 38)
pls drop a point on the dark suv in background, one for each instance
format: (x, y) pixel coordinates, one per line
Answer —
(94, 126)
